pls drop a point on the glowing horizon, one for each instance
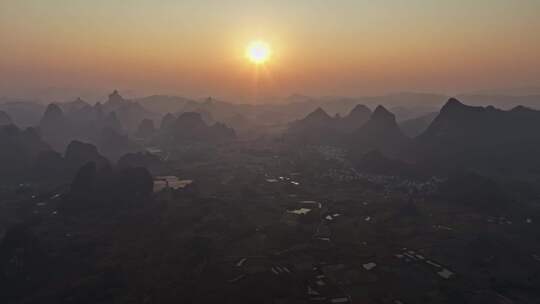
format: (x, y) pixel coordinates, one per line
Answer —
(317, 47)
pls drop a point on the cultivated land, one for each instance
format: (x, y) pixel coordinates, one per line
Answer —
(266, 223)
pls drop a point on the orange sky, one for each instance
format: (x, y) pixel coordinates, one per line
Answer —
(196, 48)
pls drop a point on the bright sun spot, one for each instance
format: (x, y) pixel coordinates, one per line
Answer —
(258, 52)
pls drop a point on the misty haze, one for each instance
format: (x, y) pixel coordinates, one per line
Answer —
(277, 152)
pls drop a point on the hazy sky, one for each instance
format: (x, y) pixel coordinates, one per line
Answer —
(196, 47)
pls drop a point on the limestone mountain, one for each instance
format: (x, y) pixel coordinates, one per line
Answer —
(477, 136)
(53, 118)
(74, 106)
(316, 119)
(129, 113)
(474, 126)
(316, 128)
(380, 132)
(358, 116)
(97, 189)
(56, 128)
(79, 153)
(190, 127)
(167, 121)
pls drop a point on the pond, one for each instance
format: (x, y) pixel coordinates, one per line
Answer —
(300, 211)
(172, 182)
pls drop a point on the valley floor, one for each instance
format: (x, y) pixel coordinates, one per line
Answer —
(275, 227)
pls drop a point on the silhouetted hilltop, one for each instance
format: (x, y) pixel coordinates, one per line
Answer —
(51, 166)
(380, 132)
(167, 121)
(482, 137)
(83, 113)
(53, 118)
(74, 106)
(56, 128)
(319, 115)
(459, 123)
(358, 116)
(382, 118)
(360, 112)
(94, 189)
(316, 118)
(86, 114)
(79, 153)
(129, 113)
(25, 157)
(87, 123)
(481, 126)
(115, 99)
(316, 128)
(190, 127)
(190, 121)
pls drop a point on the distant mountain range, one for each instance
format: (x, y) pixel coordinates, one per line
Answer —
(474, 136)
(474, 126)
(404, 125)
(405, 106)
(189, 127)
(457, 135)
(361, 130)
(381, 132)
(486, 138)
(106, 125)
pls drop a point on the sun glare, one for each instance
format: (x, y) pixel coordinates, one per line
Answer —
(258, 52)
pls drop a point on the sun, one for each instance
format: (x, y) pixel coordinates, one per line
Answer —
(258, 52)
